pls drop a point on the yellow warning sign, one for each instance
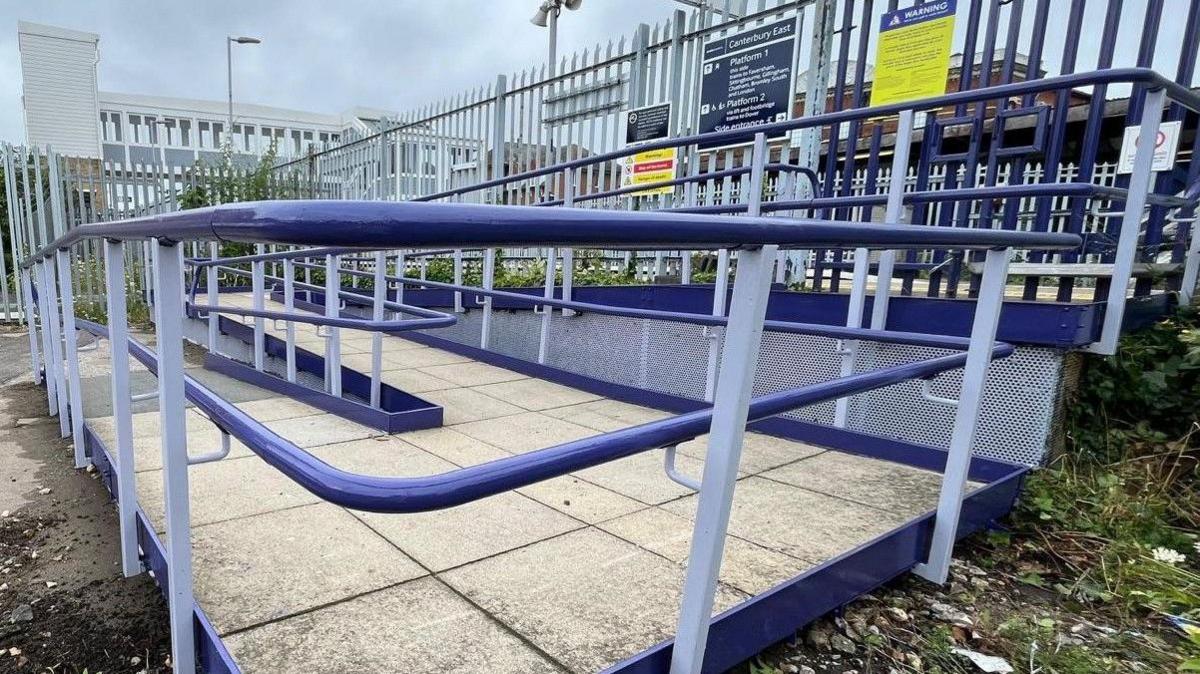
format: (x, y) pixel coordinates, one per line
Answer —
(912, 60)
(651, 166)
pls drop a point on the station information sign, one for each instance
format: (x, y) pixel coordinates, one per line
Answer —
(748, 79)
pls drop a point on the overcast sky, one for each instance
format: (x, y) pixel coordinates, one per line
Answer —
(319, 56)
(398, 54)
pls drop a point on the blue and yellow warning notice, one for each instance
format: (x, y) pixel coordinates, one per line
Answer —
(912, 59)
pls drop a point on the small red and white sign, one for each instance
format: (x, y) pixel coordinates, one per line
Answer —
(1166, 144)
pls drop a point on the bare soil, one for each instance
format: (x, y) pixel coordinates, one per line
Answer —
(64, 605)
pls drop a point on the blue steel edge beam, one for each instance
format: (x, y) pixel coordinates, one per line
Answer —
(464, 485)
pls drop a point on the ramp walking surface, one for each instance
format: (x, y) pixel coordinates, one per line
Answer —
(572, 574)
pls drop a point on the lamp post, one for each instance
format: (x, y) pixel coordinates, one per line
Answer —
(229, 42)
(547, 16)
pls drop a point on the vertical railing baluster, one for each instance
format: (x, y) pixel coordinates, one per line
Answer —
(739, 360)
(966, 420)
(168, 278)
(377, 337)
(118, 339)
(289, 306)
(71, 353)
(213, 282)
(1131, 224)
(257, 291)
(54, 363)
(34, 350)
(333, 344)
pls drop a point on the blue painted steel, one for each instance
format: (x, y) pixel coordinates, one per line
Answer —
(743, 631)
(373, 225)
(396, 495)
(1041, 119)
(399, 410)
(1034, 323)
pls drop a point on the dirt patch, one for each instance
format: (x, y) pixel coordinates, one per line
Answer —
(64, 605)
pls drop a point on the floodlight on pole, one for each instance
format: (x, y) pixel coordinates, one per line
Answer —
(547, 17)
(229, 42)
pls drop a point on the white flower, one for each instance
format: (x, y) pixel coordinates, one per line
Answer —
(1196, 547)
(1168, 556)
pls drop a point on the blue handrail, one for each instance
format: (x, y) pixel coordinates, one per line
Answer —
(464, 485)
(373, 225)
(709, 320)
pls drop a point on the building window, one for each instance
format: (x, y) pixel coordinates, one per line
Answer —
(170, 132)
(243, 137)
(296, 146)
(110, 126)
(185, 132)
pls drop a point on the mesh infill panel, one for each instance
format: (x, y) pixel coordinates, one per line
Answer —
(1016, 417)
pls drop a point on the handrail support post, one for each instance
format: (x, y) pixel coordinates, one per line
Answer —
(1131, 224)
(168, 262)
(739, 360)
(966, 418)
(118, 339)
(70, 347)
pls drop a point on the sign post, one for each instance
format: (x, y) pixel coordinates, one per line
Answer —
(747, 79)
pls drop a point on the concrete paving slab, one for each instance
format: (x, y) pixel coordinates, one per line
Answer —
(881, 484)
(315, 555)
(759, 451)
(414, 381)
(419, 626)
(587, 598)
(447, 538)
(580, 499)
(746, 566)
(361, 362)
(461, 405)
(536, 394)
(320, 429)
(147, 451)
(798, 522)
(423, 357)
(457, 448)
(469, 373)
(274, 409)
(607, 415)
(525, 432)
(642, 476)
(226, 490)
(383, 455)
(145, 425)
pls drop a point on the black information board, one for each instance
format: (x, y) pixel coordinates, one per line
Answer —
(652, 122)
(747, 78)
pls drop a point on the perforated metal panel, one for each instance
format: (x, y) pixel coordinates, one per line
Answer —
(1020, 411)
(1017, 418)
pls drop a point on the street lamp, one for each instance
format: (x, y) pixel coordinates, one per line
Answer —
(229, 42)
(547, 15)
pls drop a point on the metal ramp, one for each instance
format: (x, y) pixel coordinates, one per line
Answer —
(578, 573)
(543, 524)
